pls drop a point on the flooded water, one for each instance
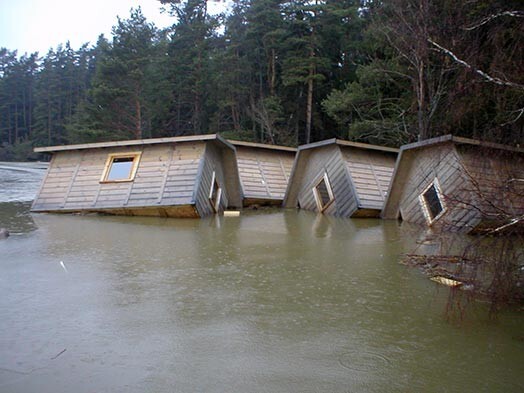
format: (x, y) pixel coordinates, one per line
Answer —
(271, 301)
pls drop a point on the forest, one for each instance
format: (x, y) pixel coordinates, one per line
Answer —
(290, 72)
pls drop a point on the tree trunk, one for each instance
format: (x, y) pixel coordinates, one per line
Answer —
(309, 109)
(309, 104)
(272, 72)
(138, 125)
(9, 130)
(48, 122)
(236, 117)
(421, 103)
(16, 123)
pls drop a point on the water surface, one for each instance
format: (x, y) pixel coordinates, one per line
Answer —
(271, 301)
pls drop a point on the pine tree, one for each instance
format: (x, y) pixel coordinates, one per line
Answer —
(189, 73)
(231, 72)
(119, 101)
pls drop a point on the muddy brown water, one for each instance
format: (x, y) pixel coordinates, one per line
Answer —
(271, 301)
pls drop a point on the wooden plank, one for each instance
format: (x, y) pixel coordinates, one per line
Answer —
(138, 142)
(262, 146)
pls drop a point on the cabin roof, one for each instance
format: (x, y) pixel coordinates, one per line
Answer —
(460, 141)
(262, 145)
(340, 142)
(135, 142)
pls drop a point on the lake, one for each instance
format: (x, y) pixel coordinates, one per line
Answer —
(271, 301)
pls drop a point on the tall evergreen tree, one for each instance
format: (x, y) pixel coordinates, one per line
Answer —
(17, 80)
(231, 73)
(119, 99)
(189, 75)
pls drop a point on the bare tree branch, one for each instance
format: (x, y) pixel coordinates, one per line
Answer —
(519, 112)
(487, 77)
(513, 221)
(515, 14)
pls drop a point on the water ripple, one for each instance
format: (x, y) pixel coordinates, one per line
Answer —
(363, 361)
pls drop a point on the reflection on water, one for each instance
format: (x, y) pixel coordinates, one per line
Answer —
(272, 301)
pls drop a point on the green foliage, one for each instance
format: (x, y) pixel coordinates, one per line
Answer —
(278, 71)
(119, 94)
(375, 108)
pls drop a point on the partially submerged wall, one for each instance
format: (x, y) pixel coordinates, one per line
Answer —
(165, 176)
(264, 173)
(371, 173)
(326, 160)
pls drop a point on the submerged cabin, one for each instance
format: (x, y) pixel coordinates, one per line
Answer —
(190, 176)
(457, 184)
(341, 178)
(264, 171)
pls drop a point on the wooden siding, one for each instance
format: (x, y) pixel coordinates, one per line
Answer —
(444, 163)
(473, 180)
(491, 172)
(57, 181)
(327, 159)
(212, 162)
(371, 173)
(176, 182)
(264, 173)
(165, 177)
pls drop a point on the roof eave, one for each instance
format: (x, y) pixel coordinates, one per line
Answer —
(341, 142)
(460, 141)
(133, 142)
(262, 145)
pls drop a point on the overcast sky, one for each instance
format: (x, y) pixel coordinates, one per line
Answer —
(37, 25)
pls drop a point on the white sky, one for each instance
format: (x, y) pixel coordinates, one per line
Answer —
(37, 25)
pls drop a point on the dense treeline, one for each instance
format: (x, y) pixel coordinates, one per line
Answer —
(287, 72)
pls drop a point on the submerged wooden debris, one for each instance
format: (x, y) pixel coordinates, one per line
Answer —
(449, 270)
(446, 281)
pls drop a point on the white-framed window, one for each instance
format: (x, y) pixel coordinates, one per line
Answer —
(215, 193)
(120, 167)
(323, 193)
(432, 202)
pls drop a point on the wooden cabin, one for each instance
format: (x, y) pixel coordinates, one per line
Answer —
(190, 176)
(457, 184)
(264, 171)
(341, 178)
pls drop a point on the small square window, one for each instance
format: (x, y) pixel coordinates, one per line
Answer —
(215, 193)
(120, 167)
(323, 193)
(432, 202)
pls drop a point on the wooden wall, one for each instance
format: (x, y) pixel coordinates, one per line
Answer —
(264, 173)
(327, 159)
(212, 162)
(371, 173)
(444, 163)
(491, 186)
(165, 176)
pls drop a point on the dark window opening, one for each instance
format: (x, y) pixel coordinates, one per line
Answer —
(432, 202)
(323, 193)
(215, 194)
